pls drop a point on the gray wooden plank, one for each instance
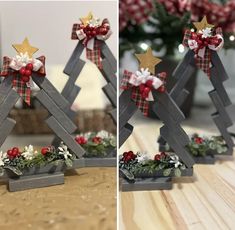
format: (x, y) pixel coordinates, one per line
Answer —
(51, 91)
(65, 137)
(5, 87)
(111, 94)
(222, 74)
(125, 115)
(164, 101)
(101, 162)
(70, 92)
(73, 76)
(220, 108)
(182, 81)
(146, 184)
(8, 104)
(35, 181)
(74, 58)
(177, 147)
(62, 118)
(218, 85)
(106, 53)
(204, 160)
(6, 128)
(124, 133)
(124, 100)
(113, 114)
(223, 130)
(183, 95)
(108, 73)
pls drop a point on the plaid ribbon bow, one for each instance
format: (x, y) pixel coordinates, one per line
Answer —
(21, 87)
(92, 42)
(215, 42)
(136, 94)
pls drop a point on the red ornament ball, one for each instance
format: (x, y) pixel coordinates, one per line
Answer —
(44, 150)
(25, 78)
(22, 71)
(81, 140)
(149, 83)
(29, 66)
(157, 157)
(28, 72)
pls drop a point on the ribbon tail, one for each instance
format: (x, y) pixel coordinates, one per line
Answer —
(95, 54)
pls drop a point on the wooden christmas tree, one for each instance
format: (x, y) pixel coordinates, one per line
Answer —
(140, 88)
(204, 44)
(91, 34)
(19, 74)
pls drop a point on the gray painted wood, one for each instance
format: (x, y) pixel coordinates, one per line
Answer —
(204, 160)
(100, 162)
(146, 184)
(124, 133)
(35, 181)
(111, 94)
(5, 87)
(74, 58)
(218, 96)
(5, 129)
(62, 118)
(107, 53)
(51, 91)
(108, 73)
(65, 136)
(9, 102)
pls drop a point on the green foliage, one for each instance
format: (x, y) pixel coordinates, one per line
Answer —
(215, 143)
(151, 167)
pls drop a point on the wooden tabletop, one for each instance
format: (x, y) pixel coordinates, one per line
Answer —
(204, 201)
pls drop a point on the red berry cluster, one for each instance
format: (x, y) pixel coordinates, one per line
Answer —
(198, 140)
(14, 152)
(128, 156)
(145, 88)
(25, 72)
(97, 140)
(45, 150)
(81, 140)
(92, 31)
(160, 156)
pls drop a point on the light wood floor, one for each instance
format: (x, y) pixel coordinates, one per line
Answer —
(206, 201)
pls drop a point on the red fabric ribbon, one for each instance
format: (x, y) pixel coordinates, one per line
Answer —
(141, 92)
(87, 33)
(21, 87)
(203, 43)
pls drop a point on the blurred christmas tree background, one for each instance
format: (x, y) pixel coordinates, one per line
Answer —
(161, 23)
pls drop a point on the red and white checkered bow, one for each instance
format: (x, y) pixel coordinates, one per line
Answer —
(21, 68)
(202, 43)
(91, 36)
(142, 83)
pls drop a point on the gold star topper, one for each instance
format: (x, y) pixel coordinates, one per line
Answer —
(202, 24)
(86, 19)
(25, 47)
(147, 60)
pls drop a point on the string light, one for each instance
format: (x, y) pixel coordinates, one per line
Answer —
(232, 38)
(144, 46)
(181, 48)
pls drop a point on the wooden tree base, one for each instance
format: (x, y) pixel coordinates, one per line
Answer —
(35, 181)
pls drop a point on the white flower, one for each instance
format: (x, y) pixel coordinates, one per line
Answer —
(86, 135)
(143, 75)
(63, 150)
(29, 152)
(192, 44)
(103, 134)
(94, 22)
(3, 158)
(206, 32)
(174, 159)
(142, 158)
